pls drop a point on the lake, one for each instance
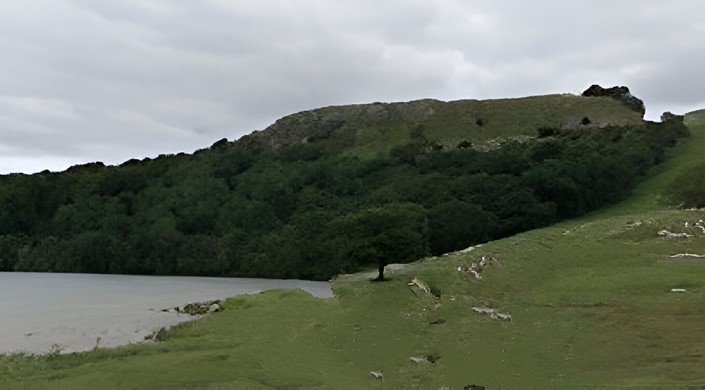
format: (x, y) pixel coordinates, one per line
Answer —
(44, 312)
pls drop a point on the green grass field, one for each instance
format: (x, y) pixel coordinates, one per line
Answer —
(590, 301)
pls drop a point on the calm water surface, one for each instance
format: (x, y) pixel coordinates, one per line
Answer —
(41, 312)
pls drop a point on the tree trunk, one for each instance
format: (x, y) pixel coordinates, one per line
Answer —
(381, 271)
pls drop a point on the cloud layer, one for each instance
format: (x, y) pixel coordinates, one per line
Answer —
(87, 80)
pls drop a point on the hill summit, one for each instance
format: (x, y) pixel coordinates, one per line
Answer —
(380, 126)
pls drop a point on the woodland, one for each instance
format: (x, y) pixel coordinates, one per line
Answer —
(312, 212)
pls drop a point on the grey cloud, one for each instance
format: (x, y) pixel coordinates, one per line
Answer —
(86, 80)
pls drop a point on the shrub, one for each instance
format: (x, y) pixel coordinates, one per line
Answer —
(435, 291)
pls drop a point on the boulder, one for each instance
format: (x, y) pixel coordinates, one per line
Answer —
(377, 374)
(214, 308)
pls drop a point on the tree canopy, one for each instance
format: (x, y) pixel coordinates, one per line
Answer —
(306, 211)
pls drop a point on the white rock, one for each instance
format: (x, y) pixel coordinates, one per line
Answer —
(483, 310)
(377, 374)
(666, 233)
(418, 283)
(504, 316)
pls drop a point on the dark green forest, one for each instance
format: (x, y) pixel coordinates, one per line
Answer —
(307, 210)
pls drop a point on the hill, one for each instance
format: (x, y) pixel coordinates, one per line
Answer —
(381, 126)
(327, 191)
(609, 299)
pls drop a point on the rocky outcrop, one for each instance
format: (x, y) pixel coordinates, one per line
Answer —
(318, 124)
(198, 308)
(618, 93)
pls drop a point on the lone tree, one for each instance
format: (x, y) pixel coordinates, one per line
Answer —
(396, 232)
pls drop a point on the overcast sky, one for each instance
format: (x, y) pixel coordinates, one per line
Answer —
(110, 80)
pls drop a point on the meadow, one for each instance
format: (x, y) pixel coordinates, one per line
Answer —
(591, 300)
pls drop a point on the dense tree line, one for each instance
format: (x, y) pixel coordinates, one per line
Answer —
(307, 212)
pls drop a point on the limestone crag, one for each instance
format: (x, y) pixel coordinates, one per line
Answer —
(318, 124)
(618, 93)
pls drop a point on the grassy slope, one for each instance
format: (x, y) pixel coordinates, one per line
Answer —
(456, 121)
(590, 301)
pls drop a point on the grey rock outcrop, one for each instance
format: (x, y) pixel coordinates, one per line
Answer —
(618, 93)
(321, 123)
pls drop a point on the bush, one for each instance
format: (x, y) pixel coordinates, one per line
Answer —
(669, 116)
(433, 357)
(547, 131)
(435, 291)
(464, 145)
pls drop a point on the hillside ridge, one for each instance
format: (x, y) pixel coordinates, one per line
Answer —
(356, 126)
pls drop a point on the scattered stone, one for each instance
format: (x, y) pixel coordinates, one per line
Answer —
(196, 308)
(418, 359)
(418, 283)
(700, 225)
(680, 255)
(377, 374)
(493, 313)
(502, 316)
(476, 268)
(482, 310)
(667, 234)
